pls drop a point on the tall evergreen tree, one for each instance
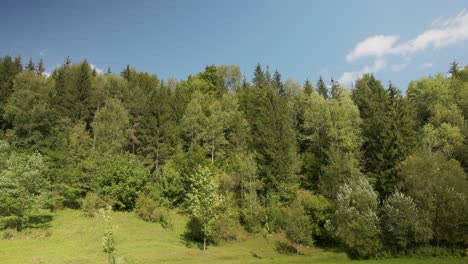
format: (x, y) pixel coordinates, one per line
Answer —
(322, 88)
(259, 79)
(84, 93)
(30, 66)
(278, 84)
(40, 67)
(157, 130)
(308, 88)
(9, 68)
(274, 141)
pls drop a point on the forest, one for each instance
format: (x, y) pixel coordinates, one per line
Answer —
(372, 170)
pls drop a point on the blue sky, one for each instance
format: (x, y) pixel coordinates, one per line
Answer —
(397, 40)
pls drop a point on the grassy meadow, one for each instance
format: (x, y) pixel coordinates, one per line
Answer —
(69, 237)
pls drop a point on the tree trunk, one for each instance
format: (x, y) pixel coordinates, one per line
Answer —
(204, 243)
(250, 198)
(212, 149)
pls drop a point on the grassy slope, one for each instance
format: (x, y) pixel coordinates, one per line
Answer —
(76, 239)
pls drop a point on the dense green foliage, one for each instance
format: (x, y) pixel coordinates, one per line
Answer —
(370, 169)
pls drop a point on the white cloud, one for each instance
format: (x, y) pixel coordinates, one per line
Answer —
(375, 46)
(442, 33)
(349, 77)
(94, 67)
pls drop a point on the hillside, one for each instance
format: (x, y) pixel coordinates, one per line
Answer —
(72, 238)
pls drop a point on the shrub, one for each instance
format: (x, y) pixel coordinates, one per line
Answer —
(165, 220)
(402, 224)
(319, 209)
(93, 202)
(12, 221)
(355, 222)
(286, 248)
(7, 234)
(147, 209)
(299, 228)
(120, 176)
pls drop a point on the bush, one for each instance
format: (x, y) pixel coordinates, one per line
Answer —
(226, 228)
(299, 228)
(355, 222)
(7, 234)
(165, 220)
(120, 176)
(253, 219)
(402, 223)
(286, 248)
(319, 209)
(93, 202)
(10, 222)
(147, 209)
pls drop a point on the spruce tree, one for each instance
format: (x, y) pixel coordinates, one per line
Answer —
(322, 88)
(259, 79)
(30, 66)
(278, 84)
(40, 67)
(308, 88)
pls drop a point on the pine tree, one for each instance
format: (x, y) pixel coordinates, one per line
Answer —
(40, 67)
(322, 88)
(308, 88)
(84, 102)
(274, 140)
(127, 73)
(30, 66)
(268, 79)
(454, 69)
(380, 141)
(335, 89)
(278, 84)
(157, 130)
(9, 68)
(259, 79)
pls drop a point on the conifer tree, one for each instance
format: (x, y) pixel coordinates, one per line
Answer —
(322, 88)
(40, 67)
(259, 79)
(30, 66)
(308, 88)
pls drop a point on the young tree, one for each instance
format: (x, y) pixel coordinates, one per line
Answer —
(23, 188)
(355, 221)
(108, 240)
(299, 227)
(202, 201)
(403, 225)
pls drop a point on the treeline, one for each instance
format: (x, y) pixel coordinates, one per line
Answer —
(369, 169)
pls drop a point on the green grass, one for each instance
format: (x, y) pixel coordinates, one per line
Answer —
(72, 238)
